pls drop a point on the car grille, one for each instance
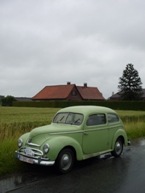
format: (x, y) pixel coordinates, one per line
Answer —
(31, 152)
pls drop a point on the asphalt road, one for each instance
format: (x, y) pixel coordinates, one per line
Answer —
(103, 174)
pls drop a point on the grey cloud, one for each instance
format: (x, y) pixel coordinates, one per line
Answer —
(52, 42)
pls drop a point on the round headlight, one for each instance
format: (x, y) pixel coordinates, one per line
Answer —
(46, 148)
(20, 142)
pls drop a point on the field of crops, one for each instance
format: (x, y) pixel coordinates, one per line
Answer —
(14, 121)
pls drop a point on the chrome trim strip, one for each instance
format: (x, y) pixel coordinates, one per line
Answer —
(66, 132)
(33, 144)
(87, 130)
(98, 129)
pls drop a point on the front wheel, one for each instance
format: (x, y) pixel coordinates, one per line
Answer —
(65, 160)
(118, 148)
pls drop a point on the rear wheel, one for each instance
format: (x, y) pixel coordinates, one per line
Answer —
(65, 160)
(118, 148)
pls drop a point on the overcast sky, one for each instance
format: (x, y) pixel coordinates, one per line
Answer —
(51, 42)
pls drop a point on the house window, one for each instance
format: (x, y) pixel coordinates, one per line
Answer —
(74, 93)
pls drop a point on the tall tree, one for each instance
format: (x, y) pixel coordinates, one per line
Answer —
(130, 84)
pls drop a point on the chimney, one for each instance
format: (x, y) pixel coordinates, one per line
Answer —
(85, 84)
(68, 83)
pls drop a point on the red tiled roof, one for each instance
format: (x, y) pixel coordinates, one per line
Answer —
(63, 91)
(54, 92)
(90, 93)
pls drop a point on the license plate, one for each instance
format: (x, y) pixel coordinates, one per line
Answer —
(26, 159)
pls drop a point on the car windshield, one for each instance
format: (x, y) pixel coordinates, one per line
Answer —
(68, 118)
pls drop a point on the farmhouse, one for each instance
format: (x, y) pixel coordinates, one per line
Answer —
(68, 92)
(116, 96)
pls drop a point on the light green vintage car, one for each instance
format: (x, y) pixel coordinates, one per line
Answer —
(76, 133)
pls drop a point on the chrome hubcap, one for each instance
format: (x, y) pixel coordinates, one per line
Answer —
(66, 161)
(118, 147)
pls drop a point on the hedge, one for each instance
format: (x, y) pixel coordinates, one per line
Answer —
(117, 105)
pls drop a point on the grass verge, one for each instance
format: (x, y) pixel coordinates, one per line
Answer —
(135, 129)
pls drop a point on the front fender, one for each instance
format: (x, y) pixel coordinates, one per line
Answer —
(119, 133)
(58, 143)
(25, 137)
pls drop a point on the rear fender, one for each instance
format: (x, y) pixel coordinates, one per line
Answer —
(120, 133)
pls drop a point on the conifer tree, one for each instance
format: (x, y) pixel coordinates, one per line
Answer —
(130, 84)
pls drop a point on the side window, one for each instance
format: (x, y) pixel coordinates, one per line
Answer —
(96, 119)
(112, 118)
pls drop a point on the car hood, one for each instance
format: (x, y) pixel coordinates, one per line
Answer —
(53, 128)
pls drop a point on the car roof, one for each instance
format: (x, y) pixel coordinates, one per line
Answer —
(87, 109)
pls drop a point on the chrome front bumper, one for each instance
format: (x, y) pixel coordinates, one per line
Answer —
(33, 160)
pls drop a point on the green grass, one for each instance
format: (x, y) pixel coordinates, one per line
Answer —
(134, 122)
(25, 114)
(14, 121)
(135, 129)
(8, 163)
(132, 116)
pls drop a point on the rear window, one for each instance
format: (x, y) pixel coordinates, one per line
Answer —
(112, 118)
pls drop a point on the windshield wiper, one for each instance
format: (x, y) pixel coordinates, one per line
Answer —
(77, 120)
(60, 119)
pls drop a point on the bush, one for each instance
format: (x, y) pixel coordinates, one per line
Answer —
(7, 101)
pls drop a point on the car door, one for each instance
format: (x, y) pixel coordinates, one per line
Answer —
(95, 138)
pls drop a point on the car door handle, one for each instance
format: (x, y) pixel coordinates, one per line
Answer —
(85, 133)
